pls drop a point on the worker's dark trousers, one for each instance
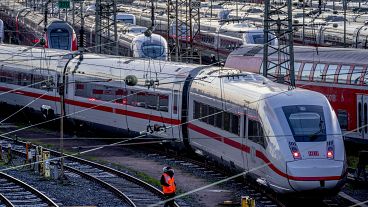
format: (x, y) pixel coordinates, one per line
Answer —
(171, 202)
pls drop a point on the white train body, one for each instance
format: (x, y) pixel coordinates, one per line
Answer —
(284, 138)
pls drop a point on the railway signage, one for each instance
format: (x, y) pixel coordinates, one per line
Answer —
(64, 4)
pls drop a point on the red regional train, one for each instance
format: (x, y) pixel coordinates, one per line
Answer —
(338, 73)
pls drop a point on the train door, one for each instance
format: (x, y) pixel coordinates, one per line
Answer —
(244, 143)
(362, 115)
(256, 142)
(175, 111)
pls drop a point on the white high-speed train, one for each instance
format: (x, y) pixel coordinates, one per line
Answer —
(138, 43)
(289, 140)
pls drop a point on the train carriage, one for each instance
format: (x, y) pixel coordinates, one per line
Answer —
(288, 140)
(338, 73)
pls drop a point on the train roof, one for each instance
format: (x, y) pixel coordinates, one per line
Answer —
(249, 89)
(314, 54)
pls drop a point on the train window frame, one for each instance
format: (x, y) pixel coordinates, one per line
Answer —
(304, 76)
(255, 132)
(218, 118)
(175, 102)
(343, 116)
(226, 123)
(320, 77)
(235, 127)
(204, 113)
(196, 109)
(211, 117)
(328, 76)
(356, 79)
(343, 74)
(304, 113)
(297, 69)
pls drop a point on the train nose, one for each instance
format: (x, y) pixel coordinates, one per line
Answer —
(315, 174)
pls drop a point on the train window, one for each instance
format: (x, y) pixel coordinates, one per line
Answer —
(25, 79)
(307, 68)
(255, 132)
(307, 123)
(318, 71)
(296, 69)
(150, 101)
(197, 110)
(163, 103)
(153, 51)
(218, 118)
(343, 74)
(132, 98)
(330, 74)
(211, 116)
(141, 100)
(80, 89)
(8, 77)
(360, 117)
(37, 81)
(356, 74)
(226, 125)
(342, 116)
(204, 113)
(235, 124)
(365, 118)
(60, 39)
(175, 106)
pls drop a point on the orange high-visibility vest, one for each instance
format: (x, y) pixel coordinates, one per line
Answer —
(171, 181)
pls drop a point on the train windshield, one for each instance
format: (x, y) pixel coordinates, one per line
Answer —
(153, 51)
(306, 122)
(60, 39)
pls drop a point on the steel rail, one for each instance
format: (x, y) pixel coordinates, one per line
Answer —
(29, 188)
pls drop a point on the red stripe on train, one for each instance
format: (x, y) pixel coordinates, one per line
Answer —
(259, 154)
(97, 107)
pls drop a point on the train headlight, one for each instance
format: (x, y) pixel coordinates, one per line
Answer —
(296, 155)
(295, 151)
(330, 153)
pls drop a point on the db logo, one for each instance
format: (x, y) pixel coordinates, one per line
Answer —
(313, 153)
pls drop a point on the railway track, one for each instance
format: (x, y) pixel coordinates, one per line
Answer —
(130, 190)
(262, 197)
(14, 192)
(254, 190)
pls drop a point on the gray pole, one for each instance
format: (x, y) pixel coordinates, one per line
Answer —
(265, 32)
(303, 22)
(73, 13)
(345, 7)
(116, 30)
(176, 31)
(291, 46)
(152, 14)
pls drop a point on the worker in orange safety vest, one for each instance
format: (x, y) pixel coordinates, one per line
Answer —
(168, 185)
